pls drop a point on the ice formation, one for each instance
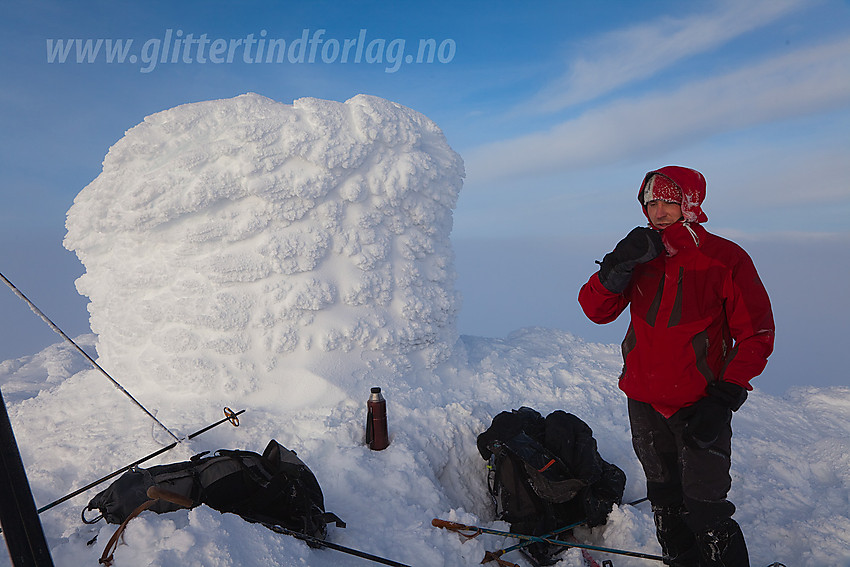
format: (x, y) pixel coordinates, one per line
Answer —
(229, 243)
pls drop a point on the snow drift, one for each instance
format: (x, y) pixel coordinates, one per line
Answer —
(283, 259)
(790, 466)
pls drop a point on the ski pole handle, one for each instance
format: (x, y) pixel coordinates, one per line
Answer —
(456, 527)
(447, 525)
(459, 528)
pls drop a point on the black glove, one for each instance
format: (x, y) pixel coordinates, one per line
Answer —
(712, 413)
(639, 246)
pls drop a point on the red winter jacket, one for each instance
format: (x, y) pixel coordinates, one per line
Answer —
(699, 313)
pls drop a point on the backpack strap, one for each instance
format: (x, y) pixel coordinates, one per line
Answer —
(155, 494)
(329, 517)
(106, 557)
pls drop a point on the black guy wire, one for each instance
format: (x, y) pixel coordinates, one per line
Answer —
(53, 326)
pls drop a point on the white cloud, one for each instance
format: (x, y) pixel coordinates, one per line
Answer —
(813, 174)
(786, 236)
(804, 82)
(623, 56)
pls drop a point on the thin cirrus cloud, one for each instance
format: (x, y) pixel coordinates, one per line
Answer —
(621, 57)
(803, 82)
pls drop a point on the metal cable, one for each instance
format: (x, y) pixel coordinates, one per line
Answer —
(53, 326)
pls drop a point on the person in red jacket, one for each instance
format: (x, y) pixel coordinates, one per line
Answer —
(701, 328)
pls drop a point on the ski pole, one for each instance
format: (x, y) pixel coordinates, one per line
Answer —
(314, 541)
(494, 555)
(230, 416)
(477, 530)
(59, 331)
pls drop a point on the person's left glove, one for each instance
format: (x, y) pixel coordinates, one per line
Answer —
(712, 413)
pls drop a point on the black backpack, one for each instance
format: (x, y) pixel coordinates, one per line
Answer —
(274, 488)
(544, 474)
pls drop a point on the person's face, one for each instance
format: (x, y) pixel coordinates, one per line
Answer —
(662, 214)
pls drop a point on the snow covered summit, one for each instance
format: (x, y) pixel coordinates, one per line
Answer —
(227, 240)
(283, 259)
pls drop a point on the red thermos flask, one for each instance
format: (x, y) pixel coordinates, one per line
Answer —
(376, 421)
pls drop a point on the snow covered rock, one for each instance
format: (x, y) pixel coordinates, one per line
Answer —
(229, 243)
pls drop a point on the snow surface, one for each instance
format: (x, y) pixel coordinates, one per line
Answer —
(283, 259)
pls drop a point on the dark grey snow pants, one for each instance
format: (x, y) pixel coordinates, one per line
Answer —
(678, 474)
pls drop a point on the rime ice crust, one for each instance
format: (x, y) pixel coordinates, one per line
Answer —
(226, 238)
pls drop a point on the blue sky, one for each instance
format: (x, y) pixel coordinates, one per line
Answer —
(558, 109)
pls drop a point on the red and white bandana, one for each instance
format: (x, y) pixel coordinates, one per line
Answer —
(676, 184)
(659, 187)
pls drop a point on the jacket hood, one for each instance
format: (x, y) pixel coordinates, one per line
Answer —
(692, 184)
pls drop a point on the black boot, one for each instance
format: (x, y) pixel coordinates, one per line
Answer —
(723, 546)
(678, 544)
